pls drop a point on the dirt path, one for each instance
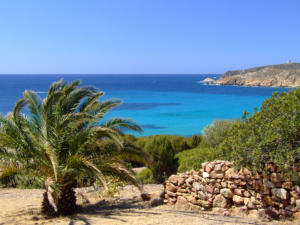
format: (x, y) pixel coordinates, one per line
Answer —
(18, 206)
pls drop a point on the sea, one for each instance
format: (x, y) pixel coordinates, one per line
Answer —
(162, 104)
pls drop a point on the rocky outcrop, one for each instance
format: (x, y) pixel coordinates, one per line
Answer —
(208, 81)
(219, 185)
(281, 75)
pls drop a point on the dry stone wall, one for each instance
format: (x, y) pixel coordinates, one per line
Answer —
(219, 185)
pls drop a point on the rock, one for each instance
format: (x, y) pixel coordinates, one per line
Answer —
(226, 213)
(296, 216)
(173, 179)
(247, 194)
(190, 180)
(218, 168)
(216, 191)
(268, 184)
(215, 175)
(204, 204)
(287, 185)
(209, 167)
(172, 201)
(272, 212)
(238, 192)
(280, 193)
(268, 200)
(156, 201)
(191, 199)
(238, 200)
(231, 173)
(181, 181)
(197, 186)
(223, 184)
(298, 204)
(226, 193)
(171, 187)
(171, 194)
(239, 211)
(276, 178)
(205, 175)
(295, 194)
(220, 201)
(194, 207)
(249, 203)
(201, 195)
(181, 200)
(209, 189)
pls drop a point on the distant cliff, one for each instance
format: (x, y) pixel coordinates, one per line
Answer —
(281, 75)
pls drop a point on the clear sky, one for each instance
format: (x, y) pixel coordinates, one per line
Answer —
(146, 36)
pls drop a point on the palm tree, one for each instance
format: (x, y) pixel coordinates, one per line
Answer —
(58, 140)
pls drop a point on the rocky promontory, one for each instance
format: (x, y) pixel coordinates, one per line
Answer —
(281, 75)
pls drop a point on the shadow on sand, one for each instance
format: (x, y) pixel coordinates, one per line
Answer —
(116, 209)
(111, 210)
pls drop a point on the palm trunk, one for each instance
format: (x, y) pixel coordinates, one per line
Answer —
(47, 208)
(65, 204)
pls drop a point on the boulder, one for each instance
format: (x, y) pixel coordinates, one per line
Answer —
(181, 200)
(205, 175)
(173, 179)
(209, 167)
(231, 173)
(268, 184)
(209, 189)
(226, 193)
(280, 193)
(238, 192)
(215, 175)
(204, 204)
(276, 178)
(171, 187)
(298, 204)
(220, 201)
(197, 186)
(238, 200)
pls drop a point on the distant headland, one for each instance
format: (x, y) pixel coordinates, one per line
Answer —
(280, 75)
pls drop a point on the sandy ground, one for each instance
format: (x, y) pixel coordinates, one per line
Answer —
(19, 206)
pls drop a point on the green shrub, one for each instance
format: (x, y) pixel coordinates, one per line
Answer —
(269, 135)
(216, 132)
(146, 176)
(13, 177)
(195, 141)
(163, 155)
(179, 143)
(193, 158)
(8, 177)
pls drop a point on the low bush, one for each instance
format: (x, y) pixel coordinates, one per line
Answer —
(215, 133)
(146, 176)
(194, 141)
(193, 158)
(271, 134)
(163, 155)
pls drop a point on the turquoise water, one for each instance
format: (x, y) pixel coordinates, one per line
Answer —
(162, 104)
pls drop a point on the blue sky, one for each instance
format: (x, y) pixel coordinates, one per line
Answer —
(146, 36)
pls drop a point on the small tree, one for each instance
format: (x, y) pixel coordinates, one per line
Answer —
(163, 155)
(215, 133)
(59, 141)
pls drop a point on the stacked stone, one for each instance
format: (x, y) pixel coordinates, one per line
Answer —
(219, 185)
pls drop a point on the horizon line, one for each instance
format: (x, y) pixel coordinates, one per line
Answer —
(110, 74)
